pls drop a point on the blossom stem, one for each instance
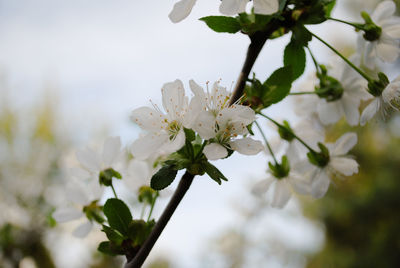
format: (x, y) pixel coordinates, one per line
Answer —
(177, 197)
(303, 93)
(294, 134)
(152, 207)
(266, 142)
(115, 193)
(363, 74)
(313, 59)
(355, 25)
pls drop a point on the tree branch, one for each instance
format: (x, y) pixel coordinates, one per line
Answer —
(145, 249)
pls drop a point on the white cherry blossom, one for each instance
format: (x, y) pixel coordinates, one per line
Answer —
(283, 188)
(221, 123)
(354, 90)
(79, 196)
(388, 100)
(92, 161)
(164, 131)
(386, 48)
(339, 164)
(263, 7)
(183, 8)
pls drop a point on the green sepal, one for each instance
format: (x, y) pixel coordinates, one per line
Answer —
(320, 159)
(285, 131)
(281, 170)
(222, 24)
(139, 230)
(214, 173)
(163, 178)
(147, 195)
(118, 215)
(105, 176)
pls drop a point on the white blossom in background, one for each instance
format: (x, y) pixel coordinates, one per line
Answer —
(339, 164)
(93, 162)
(183, 8)
(164, 131)
(389, 99)
(221, 123)
(354, 90)
(79, 195)
(283, 188)
(263, 7)
(386, 48)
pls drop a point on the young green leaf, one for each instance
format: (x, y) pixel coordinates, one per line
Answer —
(118, 215)
(113, 235)
(222, 24)
(214, 173)
(295, 56)
(164, 177)
(109, 248)
(279, 84)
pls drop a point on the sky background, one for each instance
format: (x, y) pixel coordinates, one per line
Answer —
(100, 59)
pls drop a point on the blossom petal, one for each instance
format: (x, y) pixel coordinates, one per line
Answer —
(174, 145)
(67, 214)
(111, 150)
(181, 10)
(148, 119)
(262, 187)
(205, 125)
(344, 165)
(350, 108)
(247, 146)
(387, 52)
(173, 99)
(329, 112)
(138, 174)
(282, 194)
(232, 7)
(215, 151)
(89, 159)
(266, 7)
(343, 145)
(320, 184)
(83, 230)
(383, 10)
(370, 111)
(299, 184)
(393, 30)
(147, 145)
(75, 194)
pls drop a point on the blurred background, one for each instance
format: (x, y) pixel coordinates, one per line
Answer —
(71, 72)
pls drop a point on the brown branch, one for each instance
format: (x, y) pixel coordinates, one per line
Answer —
(145, 249)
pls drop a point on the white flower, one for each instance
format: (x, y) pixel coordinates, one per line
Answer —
(339, 164)
(81, 196)
(386, 48)
(283, 187)
(389, 99)
(354, 90)
(221, 123)
(183, 8)
(263, 7)
(165, 132)
(92, 162)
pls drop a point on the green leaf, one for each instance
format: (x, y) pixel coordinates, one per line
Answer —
(214, 173)
(109, 248)
(301, 36)
(295, 56)
(118, 215)
(222, 24)
(278, 84)
(113, 235)
(164, 177)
